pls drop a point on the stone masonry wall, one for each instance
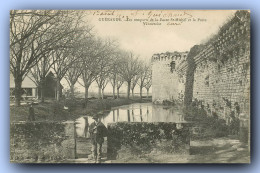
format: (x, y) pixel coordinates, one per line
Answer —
(222, 74)
(215, 74)
(168, 79)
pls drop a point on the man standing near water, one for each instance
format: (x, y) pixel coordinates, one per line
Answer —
(31, 116)
(97, 132)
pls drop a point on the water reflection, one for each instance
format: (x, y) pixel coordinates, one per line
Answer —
(138, 112)
(143, 112)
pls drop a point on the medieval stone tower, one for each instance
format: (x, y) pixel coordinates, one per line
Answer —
(168, 78)
(216, 74)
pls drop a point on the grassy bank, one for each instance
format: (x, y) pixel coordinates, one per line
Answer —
(52, 110)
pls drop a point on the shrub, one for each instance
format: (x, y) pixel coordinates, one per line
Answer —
(212, 126)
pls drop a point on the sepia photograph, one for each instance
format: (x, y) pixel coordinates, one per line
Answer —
(130, 86)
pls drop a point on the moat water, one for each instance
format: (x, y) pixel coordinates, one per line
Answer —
(137, 112)
(213, 150)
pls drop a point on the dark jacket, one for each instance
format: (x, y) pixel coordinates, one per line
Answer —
(31, 116)
(97, 132)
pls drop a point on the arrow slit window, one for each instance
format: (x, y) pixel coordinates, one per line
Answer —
(172, 65)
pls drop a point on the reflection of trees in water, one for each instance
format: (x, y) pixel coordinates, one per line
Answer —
(147, 113)
(141, 114)
(133, 115)
(117, 114)
(113, 115)
(128, 115)
(137, 113)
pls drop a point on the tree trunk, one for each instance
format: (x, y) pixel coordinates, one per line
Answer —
(58, 90)
(113, 115)
(141, 93)
(133, 115)
(147, 92)
(42, 94)
(36, 92)
(42, 83)
(86, 95)
(114, 92)
(18, 90)
(141, 115)
(99, 92)
(118, 93)
(72, 90)
(133, 93)
(86, 92)
(128, 89)
(102, 93)
(55, 93)
(128, 115)
(117, 113)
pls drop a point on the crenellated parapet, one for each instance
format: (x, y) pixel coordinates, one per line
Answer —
(178, 58)
(170, 56)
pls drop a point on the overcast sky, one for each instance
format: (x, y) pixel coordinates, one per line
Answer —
(145, 40)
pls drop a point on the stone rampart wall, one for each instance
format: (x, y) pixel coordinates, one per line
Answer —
(222, 74)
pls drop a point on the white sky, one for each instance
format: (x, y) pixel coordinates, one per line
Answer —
(145, 40)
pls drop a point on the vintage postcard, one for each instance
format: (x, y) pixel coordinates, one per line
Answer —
(129, 86)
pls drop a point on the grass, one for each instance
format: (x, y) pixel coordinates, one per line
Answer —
(52, 110)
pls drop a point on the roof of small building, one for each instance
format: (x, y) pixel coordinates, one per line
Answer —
(27, 82)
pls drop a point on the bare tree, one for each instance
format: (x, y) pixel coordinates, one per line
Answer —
(41, 69)
(102, 77)
(119, 83)
(112, 79)
(114, 71)
(33, 34)
(39, 73)
(69, 55)
(64, 59)
(103, 87)
(72, 75)
(133, 83)
(129, 68)
(144, 74)
(148, 82)
(90, 60)
(88, 75)
(107, 50)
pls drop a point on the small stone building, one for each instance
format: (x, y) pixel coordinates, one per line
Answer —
(50, 86)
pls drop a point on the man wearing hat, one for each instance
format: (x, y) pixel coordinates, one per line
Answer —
(97, 132)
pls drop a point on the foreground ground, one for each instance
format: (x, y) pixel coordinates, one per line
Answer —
(215, 150)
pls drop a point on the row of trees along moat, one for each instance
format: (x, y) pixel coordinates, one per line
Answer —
(63, 42)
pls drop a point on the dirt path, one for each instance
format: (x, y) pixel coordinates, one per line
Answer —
(218, 150)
